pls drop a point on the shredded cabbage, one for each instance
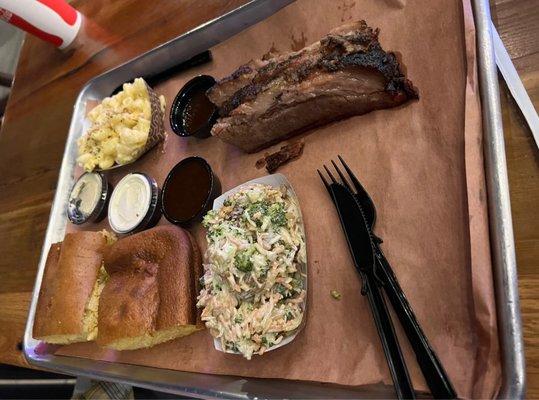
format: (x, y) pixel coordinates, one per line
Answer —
(253, 288)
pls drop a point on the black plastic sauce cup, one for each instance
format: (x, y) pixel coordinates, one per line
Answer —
(189, 190)
(100, 210)
(192, 113)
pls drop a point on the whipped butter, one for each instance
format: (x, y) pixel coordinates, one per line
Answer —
(133, 203)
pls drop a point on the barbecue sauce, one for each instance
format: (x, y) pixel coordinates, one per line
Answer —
(197, 111)
(192, 113)
(187, 190)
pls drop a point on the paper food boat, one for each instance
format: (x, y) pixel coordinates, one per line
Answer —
(275, 180)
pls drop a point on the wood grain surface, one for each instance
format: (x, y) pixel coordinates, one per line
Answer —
(34, 130)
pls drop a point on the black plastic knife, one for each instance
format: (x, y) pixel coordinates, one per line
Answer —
(360, 244)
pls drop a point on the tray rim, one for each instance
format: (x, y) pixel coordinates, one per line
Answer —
(500, 219)
(216, 386)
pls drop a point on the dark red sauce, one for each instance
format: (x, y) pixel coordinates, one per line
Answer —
(187, 189)
(197, 111)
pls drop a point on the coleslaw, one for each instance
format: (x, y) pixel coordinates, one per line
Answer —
(253, 286)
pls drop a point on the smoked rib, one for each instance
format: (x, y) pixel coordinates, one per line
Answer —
(346, 73)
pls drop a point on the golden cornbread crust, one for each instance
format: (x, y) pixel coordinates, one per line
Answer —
(150, 296)
(69, 279)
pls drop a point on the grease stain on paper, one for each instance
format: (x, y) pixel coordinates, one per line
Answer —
(345, 8)
(273, 49)
(396, 3)
(272, 52)
(299, 43)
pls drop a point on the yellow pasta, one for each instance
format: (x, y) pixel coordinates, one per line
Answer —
(119, 129)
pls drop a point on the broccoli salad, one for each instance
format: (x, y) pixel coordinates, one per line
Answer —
(253, 288)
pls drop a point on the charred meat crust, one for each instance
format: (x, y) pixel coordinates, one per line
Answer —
(259, 82)
(284, 155)
(344, 74)
(357, 48)
(243, 70)
(386, 63)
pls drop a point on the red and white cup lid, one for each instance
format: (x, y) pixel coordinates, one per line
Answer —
(54, 21)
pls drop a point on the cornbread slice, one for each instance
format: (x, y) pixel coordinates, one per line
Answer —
(150, 296)
(72, 282)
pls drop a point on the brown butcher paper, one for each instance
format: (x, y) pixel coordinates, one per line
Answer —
(422, 164)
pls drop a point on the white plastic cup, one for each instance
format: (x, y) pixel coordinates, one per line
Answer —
(54, 21)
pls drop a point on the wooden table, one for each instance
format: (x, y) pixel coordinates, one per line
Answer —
(33, 133)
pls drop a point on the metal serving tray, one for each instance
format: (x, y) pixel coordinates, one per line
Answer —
(213, 386)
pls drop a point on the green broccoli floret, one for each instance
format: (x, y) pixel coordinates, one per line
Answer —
(297, 284)
(283, 291)
(238, 319)
(210, 215)
(243, 262)
(263, 271)
(215, 233)
(277, 214)
(257, 211)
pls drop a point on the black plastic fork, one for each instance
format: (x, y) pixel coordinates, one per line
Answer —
(360, 243)
(431, 367)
